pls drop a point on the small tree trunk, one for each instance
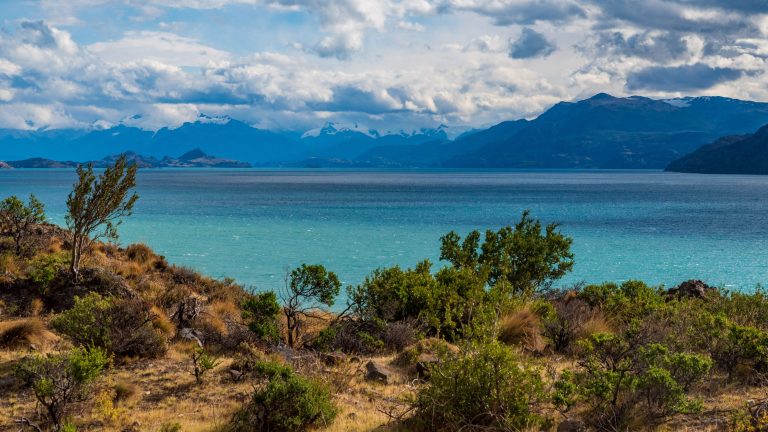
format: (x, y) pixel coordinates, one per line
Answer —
(74, 266)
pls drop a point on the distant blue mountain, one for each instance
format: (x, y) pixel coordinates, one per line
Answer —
(737, 154)
(599, 132)
(609, 132)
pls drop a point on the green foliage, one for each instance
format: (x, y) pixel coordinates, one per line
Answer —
(17, 220)
(58, 381)
(487, 388)
(621, 379)
(445, 302)
(96, 206)
(123, 327)
(516, 260)
(87, 322)
(261, 311)
(68, 427)
(44, 268)
(286, 402)
(742, 346)
(626, 302)
(202, 362)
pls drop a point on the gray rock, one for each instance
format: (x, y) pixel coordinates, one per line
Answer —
(377, 372)
(691, 289)
(236, 375)
(424, 363)
(333, 359)
(572, 426)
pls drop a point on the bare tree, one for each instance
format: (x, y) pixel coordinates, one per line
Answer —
(96, 205)
(18, 220)
(307, 289)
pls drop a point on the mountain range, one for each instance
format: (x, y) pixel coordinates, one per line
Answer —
(600, 132)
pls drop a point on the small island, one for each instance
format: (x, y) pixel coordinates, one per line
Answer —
(192, 159)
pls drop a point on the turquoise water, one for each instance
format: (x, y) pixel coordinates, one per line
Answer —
(253, 224)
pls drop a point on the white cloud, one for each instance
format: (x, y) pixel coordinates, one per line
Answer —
(159, 46)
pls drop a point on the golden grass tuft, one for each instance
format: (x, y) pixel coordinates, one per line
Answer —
(36, 307)
(224, 308)
(23, 332)
(162, 322)
(522, 328)
(54, 246)
(140, 253)
(125, 391)
(9, 264)
(595, 324)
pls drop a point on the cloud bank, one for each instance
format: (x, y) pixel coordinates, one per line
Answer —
(293, 64)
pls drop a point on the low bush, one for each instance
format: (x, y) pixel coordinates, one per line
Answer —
(261, 313)
(87, 322)
(625, 382)
(285, 402)
(742, 347)
(485, 388)
(58, 381)
(573, 318)
(202, 362)
(124, 327)
(45, 268)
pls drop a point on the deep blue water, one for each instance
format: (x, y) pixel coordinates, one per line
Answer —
(253, 224)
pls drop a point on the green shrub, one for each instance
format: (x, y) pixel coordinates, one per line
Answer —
(626, 302)
(44, 269)
(742, 346)
(622, 380)
(487, 388)
(443, 303)
(286, 402)
(58, 381)
(261, 312)
(123, 327)
(202, 362)
(87, 322)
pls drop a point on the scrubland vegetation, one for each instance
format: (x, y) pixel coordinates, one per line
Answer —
(94, 336)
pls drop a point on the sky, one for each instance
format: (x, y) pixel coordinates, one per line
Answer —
(384, 64)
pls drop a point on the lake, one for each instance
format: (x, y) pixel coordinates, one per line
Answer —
(253, 224)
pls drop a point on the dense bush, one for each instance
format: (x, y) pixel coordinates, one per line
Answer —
(261, 312)
(486, 388)
(87, 322)
(58, 381)
(518, 260)
(443, 303)
(285, 402)
(623, 379)
(124, 327)
(44, 269)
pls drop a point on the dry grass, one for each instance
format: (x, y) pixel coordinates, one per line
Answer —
(9, 264)
(595, 324)
(36, 307)
(25, 332)
(140, 253)
(522, 328)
